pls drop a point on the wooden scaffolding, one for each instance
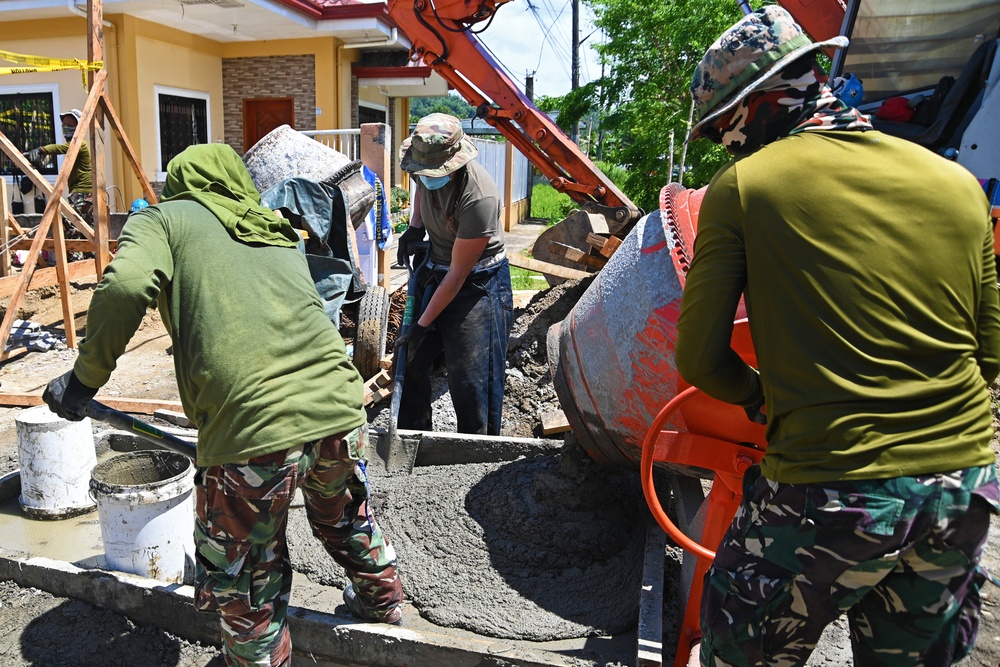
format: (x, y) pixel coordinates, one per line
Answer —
(96, 239)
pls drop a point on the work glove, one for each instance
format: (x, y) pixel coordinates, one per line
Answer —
(412, 339)
(68, 397)
(411, 235)
(34, 155)
(755, 411)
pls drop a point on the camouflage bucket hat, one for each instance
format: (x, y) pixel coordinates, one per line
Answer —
(437, 147)
(760, 45)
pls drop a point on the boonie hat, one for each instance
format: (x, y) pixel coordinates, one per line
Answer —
(74, 113)
(758, 46)
(437, 146)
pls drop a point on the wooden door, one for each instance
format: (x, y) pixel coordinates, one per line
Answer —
(261, 115)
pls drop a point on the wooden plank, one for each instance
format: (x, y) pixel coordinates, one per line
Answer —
(14, 226)
(548, 268)
(385, 362)
(174, 417)
(72, 245)
(596, 240)
(576, 255)
(377, 395)
(382, 379)
(554, 422)
(46, 277)
(144, 406)
(95, 53)
(130, 154)
(610, 246)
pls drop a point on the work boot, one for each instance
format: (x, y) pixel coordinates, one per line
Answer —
(393, 617)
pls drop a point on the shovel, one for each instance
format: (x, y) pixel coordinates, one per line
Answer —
(148, 432)
(402, 454)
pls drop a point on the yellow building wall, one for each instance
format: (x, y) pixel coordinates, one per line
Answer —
(174, 59)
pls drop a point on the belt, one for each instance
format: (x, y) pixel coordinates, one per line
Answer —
(481, 265)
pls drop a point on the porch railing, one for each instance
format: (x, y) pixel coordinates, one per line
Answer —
(345, 142)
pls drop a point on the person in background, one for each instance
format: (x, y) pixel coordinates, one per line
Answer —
(466, 303)
(80, 184)
(866, 263)
(265, 376)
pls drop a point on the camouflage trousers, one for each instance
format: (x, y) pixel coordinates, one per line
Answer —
(900, 556)
(242, 568)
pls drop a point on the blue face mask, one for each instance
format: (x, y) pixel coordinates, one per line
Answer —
(435, 182)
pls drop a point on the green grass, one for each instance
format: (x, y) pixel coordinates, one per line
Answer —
(550, 204)
(523, 279)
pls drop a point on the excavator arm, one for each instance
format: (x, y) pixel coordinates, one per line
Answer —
(441, 35)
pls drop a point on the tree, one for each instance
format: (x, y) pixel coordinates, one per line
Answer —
(449, 104)
(650, 52)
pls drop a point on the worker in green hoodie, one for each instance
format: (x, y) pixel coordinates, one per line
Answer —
(266, 378)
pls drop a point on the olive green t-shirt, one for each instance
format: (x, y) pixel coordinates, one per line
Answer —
(872, 303)
(81, 176)
(260, 368)
(466, 208)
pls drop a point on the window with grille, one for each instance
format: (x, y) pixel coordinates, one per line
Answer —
(28, 120)
(183, 122)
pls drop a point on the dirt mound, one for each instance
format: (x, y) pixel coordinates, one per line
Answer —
(529, 390)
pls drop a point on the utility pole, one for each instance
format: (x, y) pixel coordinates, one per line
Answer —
(575, 83)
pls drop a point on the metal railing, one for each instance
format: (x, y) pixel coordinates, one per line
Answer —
(345, 142)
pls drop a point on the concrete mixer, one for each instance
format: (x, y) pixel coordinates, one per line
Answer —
(612, 363)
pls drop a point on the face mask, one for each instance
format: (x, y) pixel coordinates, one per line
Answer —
(435, 182)
(68, 130)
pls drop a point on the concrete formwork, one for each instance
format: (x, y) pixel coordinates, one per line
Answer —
(317, 631)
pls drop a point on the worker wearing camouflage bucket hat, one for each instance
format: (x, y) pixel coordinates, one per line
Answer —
(875, 351)
(465, 303)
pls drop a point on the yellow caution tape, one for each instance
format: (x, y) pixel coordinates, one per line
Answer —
(41, 64)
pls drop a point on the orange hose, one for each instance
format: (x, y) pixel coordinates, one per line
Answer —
(646, 474)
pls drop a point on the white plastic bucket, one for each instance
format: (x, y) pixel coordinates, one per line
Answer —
(56, 457)
(146, 510)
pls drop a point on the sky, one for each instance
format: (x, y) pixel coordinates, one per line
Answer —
(540, 41)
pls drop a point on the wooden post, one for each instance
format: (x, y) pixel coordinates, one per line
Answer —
(508, 187)
(95, 53)
(376, 144)
(4, 230)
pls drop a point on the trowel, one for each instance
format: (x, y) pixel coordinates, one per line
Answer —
(402, 454)
(148, 432)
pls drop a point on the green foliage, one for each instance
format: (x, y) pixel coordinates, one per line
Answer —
(450, 104)
(399, 198)
(573, 106)
(651, 51)
(550, 204)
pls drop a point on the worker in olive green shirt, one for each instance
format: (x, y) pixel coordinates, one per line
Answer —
(81, 175)
(866, 263)
(266, 378)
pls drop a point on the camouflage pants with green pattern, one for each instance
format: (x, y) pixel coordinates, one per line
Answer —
(242, 565)
(900, 556)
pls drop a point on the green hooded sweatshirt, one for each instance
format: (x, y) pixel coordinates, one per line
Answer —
(259, 366)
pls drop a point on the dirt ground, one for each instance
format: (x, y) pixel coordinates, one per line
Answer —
(39, 629)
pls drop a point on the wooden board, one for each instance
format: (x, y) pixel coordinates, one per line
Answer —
(577, 255)
(547, 268)
(554, 422)
(174, 417)
(144, 406)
